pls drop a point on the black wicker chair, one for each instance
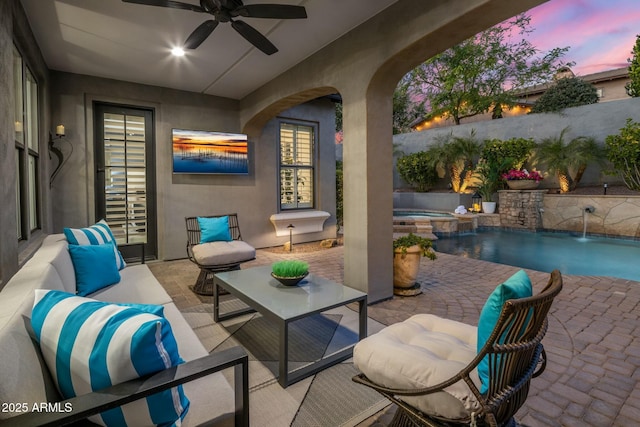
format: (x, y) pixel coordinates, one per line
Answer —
(515, 356)
(216, 256)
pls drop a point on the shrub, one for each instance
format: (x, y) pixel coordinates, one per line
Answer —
(496, 158)
(510, 154)
(418, 170)
(406, 241)
(623, 151)
(339, 195)
(566, 92)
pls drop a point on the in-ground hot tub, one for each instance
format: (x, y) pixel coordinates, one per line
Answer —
(431, 222)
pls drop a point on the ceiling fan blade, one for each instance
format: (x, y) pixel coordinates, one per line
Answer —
(200, 34)
(254, 37)
(167, 3)
(273, 11)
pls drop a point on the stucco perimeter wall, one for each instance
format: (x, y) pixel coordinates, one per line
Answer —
(612, 216)
(596, 120)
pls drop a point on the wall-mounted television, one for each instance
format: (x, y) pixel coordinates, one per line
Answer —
(202, 152)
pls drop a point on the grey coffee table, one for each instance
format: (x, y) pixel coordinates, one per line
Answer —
(284, 304)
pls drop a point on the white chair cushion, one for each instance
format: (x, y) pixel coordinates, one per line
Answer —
(423, 351)
(217, 253)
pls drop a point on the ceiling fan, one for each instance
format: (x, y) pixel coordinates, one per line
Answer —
(228, 11)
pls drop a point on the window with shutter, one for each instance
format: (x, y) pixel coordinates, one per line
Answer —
(297, 165)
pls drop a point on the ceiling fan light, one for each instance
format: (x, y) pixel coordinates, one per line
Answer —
(177, 51)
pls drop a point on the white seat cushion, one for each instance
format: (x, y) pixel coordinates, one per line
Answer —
(423, 351)
(138, 285)
(218, 253)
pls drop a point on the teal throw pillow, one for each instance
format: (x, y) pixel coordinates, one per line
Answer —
(89, 345)
(214, 229)
(517, 286)
(97, 234)
(95, 267)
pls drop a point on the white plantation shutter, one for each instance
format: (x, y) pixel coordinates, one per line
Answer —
(297, 162)
(125, 177)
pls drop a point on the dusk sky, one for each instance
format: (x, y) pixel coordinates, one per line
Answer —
(600, 33)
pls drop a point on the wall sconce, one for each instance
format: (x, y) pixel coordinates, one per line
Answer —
(60, 133)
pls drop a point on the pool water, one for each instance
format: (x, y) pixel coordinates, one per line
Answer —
(422, 213)
(590, 256)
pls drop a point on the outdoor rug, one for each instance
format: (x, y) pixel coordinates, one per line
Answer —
(328, 398)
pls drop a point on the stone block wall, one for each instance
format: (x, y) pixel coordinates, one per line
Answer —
(520, 209)
(612, 215)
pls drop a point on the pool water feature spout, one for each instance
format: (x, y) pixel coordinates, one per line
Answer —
(586, 210)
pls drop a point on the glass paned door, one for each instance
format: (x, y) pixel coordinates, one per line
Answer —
(125, 182)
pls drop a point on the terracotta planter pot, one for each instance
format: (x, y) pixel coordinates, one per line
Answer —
(406, 266)
(523, 184)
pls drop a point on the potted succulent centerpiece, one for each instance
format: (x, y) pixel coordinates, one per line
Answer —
(407, 252)
(289, 272)
(522, 179)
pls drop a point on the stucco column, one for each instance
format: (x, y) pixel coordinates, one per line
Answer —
(368, 193)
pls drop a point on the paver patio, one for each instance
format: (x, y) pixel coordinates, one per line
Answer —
(593, 342)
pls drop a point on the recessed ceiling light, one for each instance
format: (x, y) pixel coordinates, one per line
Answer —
(177, 51)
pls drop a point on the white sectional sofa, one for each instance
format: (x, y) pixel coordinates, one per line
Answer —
(26, 381)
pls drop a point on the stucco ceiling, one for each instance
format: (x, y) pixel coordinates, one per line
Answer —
(131, 42)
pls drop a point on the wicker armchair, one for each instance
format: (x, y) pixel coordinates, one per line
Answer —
(515, 355)
(218, 256)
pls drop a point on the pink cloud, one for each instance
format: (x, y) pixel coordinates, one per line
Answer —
(600, 34)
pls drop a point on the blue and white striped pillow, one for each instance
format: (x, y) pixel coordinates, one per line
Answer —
(97, 234)
(89, 345)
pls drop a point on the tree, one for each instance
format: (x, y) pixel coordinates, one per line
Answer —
(485, 72)
(405, 110)
(633, 87)
(566, 92)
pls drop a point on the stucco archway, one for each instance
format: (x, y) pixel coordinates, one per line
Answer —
(255, 124)
(364, 66)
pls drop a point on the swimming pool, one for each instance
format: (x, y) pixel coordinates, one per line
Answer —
(543, 251)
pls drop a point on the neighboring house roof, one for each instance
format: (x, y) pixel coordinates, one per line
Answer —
(603, 76)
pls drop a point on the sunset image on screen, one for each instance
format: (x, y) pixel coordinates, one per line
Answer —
(209, 152)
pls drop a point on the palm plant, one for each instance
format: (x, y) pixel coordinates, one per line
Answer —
(457, 156)
(489, 175)
(568, 160)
